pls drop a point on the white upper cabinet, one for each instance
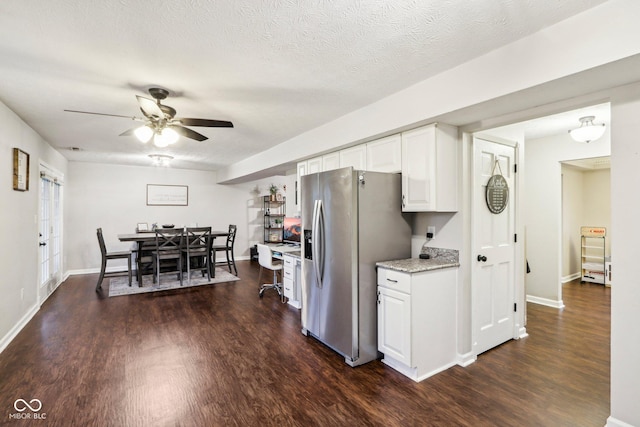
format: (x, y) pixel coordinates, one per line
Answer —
(385, 155)
(354, 156)
(331, 161)
(430, 169)
(314, 165)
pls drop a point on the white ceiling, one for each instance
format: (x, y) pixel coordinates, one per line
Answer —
(275, 68)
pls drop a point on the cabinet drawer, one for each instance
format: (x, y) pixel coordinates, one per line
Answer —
(288, 288)
(288, 273)
(394, 280)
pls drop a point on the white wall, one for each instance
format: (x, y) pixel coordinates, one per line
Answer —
(543, 208)
(114, 197)
(596, 186)
(625, 295)
(19, 209)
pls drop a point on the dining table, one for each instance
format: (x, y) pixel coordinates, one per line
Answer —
(142, 237)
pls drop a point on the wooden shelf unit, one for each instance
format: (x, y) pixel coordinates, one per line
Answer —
(593, 254)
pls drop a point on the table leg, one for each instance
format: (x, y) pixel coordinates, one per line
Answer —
(139, 264)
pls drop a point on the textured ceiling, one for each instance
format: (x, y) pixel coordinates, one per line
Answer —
(274, 68)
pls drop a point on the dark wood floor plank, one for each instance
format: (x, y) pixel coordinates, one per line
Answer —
(219, 355)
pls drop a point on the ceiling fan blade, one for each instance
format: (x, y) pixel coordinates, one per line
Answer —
(104, 114)
(150, 108)
(188, 133)
(128, 132)
(205, 123)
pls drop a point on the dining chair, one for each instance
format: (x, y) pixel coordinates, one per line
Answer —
(265, 259)
(227, 248)
(106, 256)
(196, 246)
(144, 258)
(169, 242)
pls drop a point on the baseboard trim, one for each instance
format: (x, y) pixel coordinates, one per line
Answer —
(18, 327)
(467, 359)
(522, 333)
(545, 301)
(570, 278)
(612, 422)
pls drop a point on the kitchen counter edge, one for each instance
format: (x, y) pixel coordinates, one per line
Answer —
(416, 265)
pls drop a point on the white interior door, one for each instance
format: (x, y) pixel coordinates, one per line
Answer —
(493, 272)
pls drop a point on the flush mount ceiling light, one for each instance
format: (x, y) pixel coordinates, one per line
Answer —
(588, 131)
(161, 159)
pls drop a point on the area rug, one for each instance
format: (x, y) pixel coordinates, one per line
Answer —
(120, 285)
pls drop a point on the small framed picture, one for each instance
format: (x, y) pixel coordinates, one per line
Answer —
(142, 226)
(20, 170)
(279, 197)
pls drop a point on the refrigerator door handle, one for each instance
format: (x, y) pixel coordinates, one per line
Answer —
(316, 238)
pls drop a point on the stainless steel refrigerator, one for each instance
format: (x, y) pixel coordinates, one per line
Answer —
(350, 220)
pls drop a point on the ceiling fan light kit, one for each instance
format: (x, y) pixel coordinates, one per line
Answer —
(588, 131)
(165, 137)
(161, 123)
(143, 133)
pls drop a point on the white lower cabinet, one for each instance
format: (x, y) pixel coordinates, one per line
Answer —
(417, 321)
(291, 280)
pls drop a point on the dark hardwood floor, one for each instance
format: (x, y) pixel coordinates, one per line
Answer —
(219, 355)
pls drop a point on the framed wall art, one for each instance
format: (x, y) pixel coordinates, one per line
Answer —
(167, 195)
(20, 170)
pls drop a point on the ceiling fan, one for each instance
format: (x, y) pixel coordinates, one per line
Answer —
(160, 122)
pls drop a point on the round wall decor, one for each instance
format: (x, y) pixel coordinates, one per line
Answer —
(497, 194)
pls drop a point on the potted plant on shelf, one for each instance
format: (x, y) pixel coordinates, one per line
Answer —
(273, 190)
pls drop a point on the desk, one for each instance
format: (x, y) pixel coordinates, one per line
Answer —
(280, 249)
(148, 237)
(291, 271)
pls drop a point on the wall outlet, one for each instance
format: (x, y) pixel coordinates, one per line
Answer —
(21, 294)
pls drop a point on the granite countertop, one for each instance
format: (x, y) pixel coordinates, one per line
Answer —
(438, 258)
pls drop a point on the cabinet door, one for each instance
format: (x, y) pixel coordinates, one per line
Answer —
(302, 171)
(394, 325)
(331, 161)
(354, 156)
(418, 169)
(384, 155)
(314, 165)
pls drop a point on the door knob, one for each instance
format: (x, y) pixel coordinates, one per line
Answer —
(42, 244)
(482, 258)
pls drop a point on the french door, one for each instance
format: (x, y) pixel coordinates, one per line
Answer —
(50, 232)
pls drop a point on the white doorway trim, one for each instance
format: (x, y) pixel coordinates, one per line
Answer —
(518, 329)
(50, 231)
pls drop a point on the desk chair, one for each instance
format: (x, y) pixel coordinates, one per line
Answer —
(197, 244)
(111, 255)
(169, 242)
(227, 248)
(265, 258)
